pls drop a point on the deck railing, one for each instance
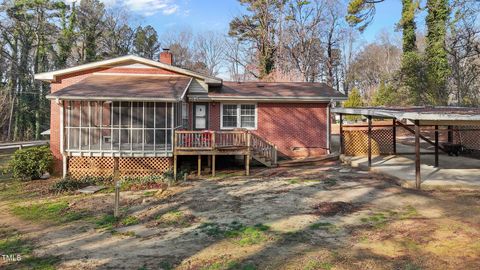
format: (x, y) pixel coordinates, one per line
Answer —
(187, 140)
(263, 148)
(209, 140)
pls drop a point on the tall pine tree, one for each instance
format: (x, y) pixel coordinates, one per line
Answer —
(435, 52)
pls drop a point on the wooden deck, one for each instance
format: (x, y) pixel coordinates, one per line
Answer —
(216, 143)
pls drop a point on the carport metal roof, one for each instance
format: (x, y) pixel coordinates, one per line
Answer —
(454, 116)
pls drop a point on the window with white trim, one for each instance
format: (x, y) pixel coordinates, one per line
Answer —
(239, 116)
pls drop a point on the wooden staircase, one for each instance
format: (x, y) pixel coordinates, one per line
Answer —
(263, 151)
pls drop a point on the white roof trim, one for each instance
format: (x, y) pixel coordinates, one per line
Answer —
(186, 89)
(51, 76)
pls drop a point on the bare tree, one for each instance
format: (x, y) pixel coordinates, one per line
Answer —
(301, 39)
(209, 48)
(180, 44)
(463, 47)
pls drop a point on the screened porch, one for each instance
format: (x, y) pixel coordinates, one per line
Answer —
(121, 128)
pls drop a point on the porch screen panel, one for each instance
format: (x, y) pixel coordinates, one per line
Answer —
(85, 124)
(137, 126)
(95, 125)
(114, 127)
(125, 125)
(106, 129)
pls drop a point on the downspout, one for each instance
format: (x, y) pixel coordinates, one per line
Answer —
(62, 138)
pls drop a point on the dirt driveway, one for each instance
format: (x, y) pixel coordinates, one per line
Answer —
(319, 217)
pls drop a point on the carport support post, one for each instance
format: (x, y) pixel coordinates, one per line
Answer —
(418, 179)
(369, 117)
(436, 146)
(342, 147)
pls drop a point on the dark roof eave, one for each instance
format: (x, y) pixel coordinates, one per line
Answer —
(264, 98)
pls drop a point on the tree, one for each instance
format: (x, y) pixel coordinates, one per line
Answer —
(361, 13)
(260, 27)
(436, 55)
(384, 96)
(354, 100)
(463, 47)
(408, 25)
(180, 44)
(209, 49)
(67, 35)
(303, 23)
(117, 37)
(146, 42)
(90, 22)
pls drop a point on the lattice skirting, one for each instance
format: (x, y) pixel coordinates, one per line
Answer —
(145, 166)
(356, 141)
(128, 167)
(90, 166)
(469, 137)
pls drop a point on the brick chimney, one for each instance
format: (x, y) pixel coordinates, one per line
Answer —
(166, 57)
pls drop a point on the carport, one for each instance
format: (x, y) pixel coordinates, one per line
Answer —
(439, 118)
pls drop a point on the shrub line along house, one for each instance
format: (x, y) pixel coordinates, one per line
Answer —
(137, 116)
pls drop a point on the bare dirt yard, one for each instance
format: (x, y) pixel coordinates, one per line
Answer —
(311, 217)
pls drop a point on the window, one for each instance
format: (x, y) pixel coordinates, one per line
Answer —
(239, 116)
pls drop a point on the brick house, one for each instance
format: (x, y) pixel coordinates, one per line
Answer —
(137, 115)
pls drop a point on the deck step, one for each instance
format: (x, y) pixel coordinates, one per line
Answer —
(264, 161)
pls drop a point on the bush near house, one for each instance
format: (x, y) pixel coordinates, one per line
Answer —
(31, 163)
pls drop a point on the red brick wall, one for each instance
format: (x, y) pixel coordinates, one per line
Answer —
(297, 129)
(214, 121)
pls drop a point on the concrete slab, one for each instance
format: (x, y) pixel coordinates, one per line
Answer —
(90, 189)
(453, 172)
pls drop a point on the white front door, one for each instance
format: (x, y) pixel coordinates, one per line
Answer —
(200, 116)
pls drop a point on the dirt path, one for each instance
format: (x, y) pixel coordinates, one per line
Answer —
(321, 217)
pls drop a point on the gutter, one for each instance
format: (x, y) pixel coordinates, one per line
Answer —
(267, 99)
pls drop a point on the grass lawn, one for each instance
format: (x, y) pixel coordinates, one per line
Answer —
(282, 218)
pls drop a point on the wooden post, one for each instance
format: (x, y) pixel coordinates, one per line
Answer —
(342, 147)
(116, 207)
(247, 165)
(199, 165)
(174, 166)
(213, 142)
(369, 117)
(436, 146)
(418, 179)
(247, 157)
(174, 156)
(213, 165)
(394, 131)
(209, 161)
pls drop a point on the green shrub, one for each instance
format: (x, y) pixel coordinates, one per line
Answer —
(31, 163)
